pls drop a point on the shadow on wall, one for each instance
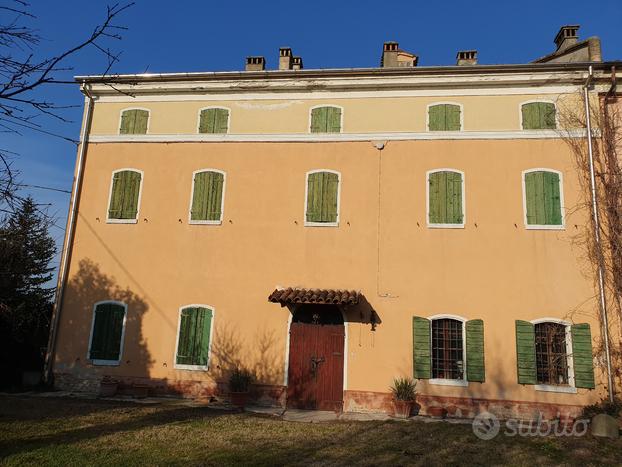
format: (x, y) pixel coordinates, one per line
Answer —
(85, 288)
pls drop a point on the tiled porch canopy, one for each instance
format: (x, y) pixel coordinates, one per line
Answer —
(318, 296)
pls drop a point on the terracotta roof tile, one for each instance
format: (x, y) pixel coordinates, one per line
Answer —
(319, 296)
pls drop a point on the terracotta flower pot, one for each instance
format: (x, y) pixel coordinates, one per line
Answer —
(239, 399)
(438, 412)
(108, 388)
(402, 409)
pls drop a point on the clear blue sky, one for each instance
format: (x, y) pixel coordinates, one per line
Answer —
(166, 36)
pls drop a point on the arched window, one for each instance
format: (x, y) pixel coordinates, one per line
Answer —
(107, 331)
(444, 117)
(445, 198)
(447, 349)
(326, 119)
(543, 198)
(551, 353)
(538, 116)
(322, 198)
(193, 337)
(214, 120)
(134, 122)
(208, 198)
(124, 196)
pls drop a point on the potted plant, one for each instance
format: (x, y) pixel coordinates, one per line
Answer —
(239, 383)
(108, 386)
(403, 390)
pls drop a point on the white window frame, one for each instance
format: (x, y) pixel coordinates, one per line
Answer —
(566, 388)
(323, 224)
(222, 200)
(427, 116)
(99, 362)
(444, 381)
(427, 200)
(140, 194)
(211, 339)
(532, 101)
(321, 106)
(134, 108)
(214, 107)
(562, 205)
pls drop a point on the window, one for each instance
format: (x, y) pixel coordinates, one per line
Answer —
(193, 343)
(124, 196)
(134, 122)
(326, 119)
(554, 355)
(444, 117)
(538, 116)
(445, 198)
(542, 198)
(108, 327)
(214, 120)
(551, 353)
(208, 188)
(322, 198)
(448, 350)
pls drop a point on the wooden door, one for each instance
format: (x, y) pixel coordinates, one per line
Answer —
(315, 376)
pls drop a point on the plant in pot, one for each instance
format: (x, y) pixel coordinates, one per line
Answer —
(239, 384)
(404, 393)
(108, 386)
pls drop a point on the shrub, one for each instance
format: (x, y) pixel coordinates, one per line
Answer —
(604, 406)
(240, 380)
(403, 389)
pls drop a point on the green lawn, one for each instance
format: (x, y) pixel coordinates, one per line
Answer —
(54, 431)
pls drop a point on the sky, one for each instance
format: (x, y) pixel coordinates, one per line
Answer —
(184, 36)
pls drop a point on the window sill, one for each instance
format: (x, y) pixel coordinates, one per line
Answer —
(192, 367)
(553, 388)
(106, 362)
(545, 227)
(205, 222)
(121, 221)
(321, 224)
(445, 226)
(449, 382)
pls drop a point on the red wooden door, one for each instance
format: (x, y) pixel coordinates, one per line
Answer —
(315, 376)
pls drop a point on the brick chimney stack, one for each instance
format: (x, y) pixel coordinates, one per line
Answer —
(285, 58)
(255, 63)
(466, 57)
(566, 36)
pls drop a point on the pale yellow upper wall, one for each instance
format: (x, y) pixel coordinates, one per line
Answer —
(291, 116)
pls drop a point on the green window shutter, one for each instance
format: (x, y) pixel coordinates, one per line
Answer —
(525, 352)
(437, 118)
(315, 183)
(445, 198)
(107, 332)
(539, 116)
(319, 120)
(330, 190)
(475, 350)
(207, 196)
(322, 197)
(333, 120)
(582, 356)
(214, 121)
(124, 195)
(452, 117)
(543, 198)
(422, 359)
(134, 122)
(194, 336)
(116, 196)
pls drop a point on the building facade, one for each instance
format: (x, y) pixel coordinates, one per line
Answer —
(331, 230)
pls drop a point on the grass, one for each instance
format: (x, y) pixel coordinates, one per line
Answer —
(54, 431)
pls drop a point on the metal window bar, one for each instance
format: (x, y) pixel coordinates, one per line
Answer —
(551, 354)
(447, 349)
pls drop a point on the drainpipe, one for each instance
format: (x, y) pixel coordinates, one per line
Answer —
(64, 263)
(601, 273)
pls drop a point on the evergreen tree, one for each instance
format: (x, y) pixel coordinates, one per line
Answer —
(26, 250)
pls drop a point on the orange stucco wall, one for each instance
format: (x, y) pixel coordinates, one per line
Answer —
(493, 268)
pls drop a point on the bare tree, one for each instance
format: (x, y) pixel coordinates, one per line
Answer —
(23, 73)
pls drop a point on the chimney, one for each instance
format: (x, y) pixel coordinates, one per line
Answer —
(566, 36)
(466, 57)
(255, 63)
(297, 63)
(389, 55)
(285, 58)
